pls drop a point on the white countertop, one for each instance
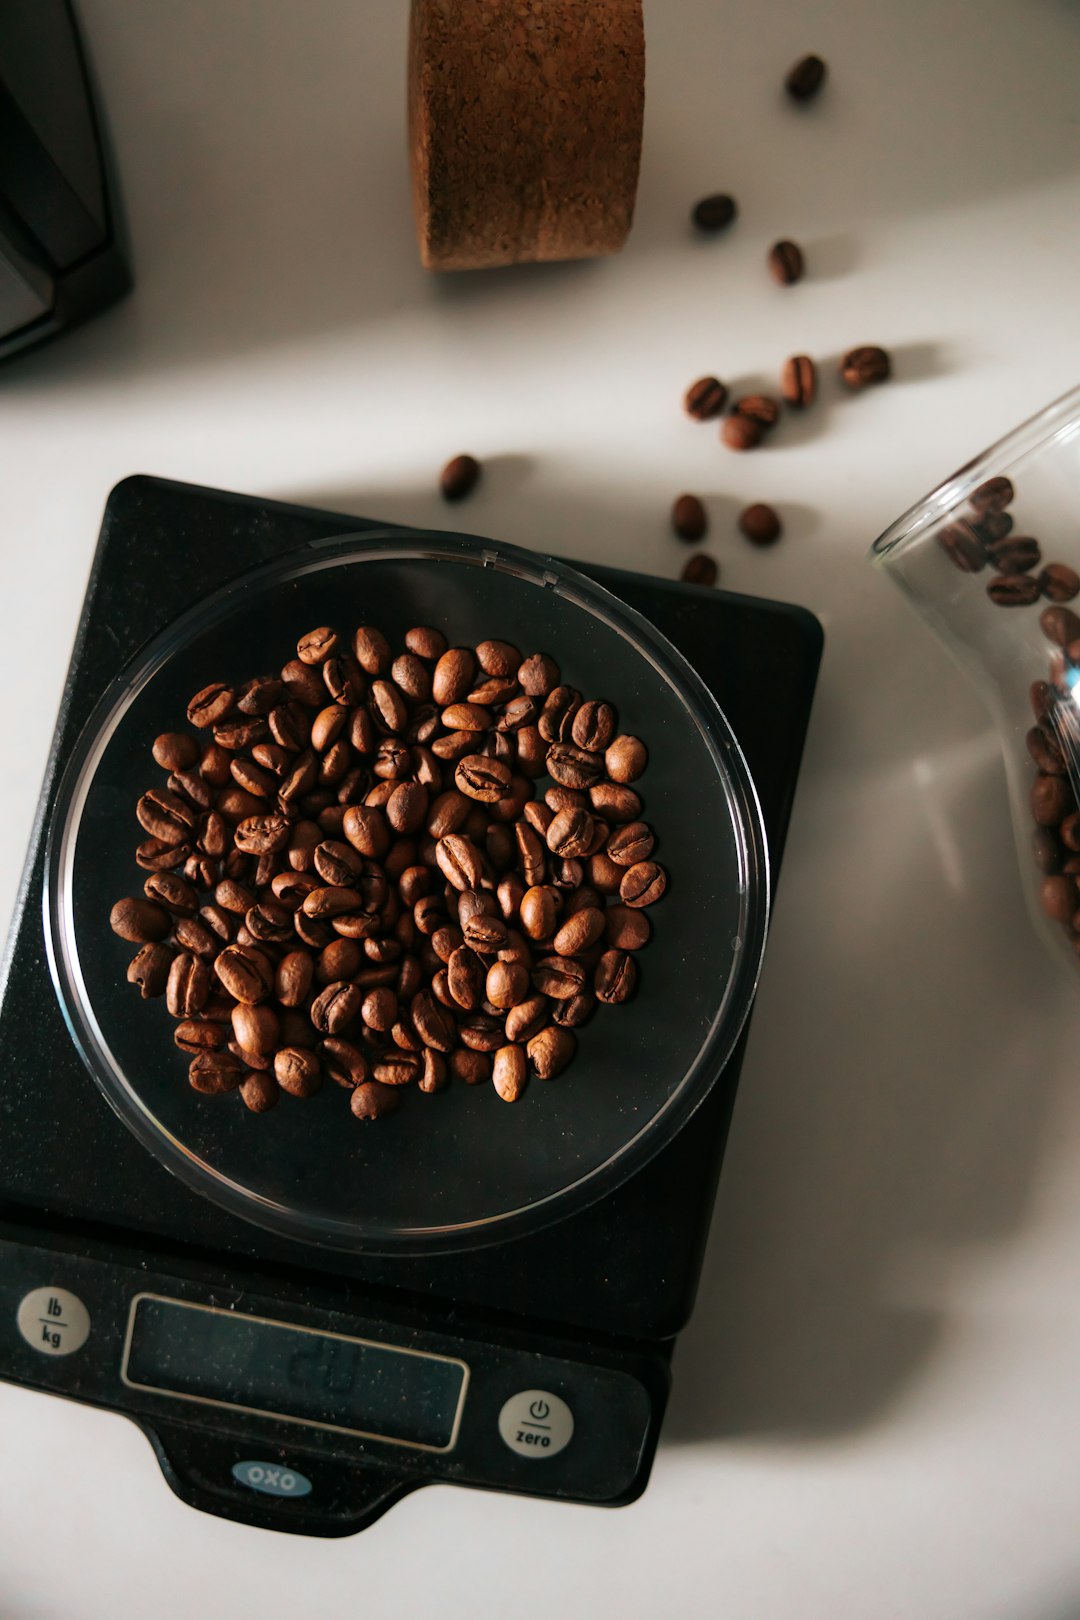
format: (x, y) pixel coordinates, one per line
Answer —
(876, 1406)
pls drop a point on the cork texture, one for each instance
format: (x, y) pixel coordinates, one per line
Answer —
(525, 120)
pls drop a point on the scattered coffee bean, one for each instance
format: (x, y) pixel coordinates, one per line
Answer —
(615, 978)
(149, 969)
(1017, 554)
(805, 79)
(459, 478)
(798, 381)
(741, 432)
(688, 518)
(703, 399)
(625, 759)
(865, 365)
(700, 569)
(993, 496)
(1058, 624)
(786, 263)
(141, 922)
(760, 524)
(714, 213)
(760, 408)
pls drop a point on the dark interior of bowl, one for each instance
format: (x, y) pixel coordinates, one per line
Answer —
(462, 1156)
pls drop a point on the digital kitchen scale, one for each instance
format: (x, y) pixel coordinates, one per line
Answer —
(287, 1376)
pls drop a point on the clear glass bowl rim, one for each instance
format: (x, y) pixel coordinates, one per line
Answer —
(1054, 421)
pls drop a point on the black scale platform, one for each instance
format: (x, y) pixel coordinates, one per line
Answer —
(610, 1285)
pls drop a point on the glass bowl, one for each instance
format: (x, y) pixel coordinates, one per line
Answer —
(460, 1167)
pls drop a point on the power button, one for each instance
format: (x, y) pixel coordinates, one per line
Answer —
(536, 1423)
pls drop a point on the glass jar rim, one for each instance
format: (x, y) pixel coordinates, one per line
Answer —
(1055, 421)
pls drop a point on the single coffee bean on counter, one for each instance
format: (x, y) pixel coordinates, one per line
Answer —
(785, 262)
(356, 879)
(860, 367)
(741, 432)
(760, 524)
(704, 399)
(700, 569)
(798, 382)
(714, 213)
(805, 79)
(459, 477)
(688, 518)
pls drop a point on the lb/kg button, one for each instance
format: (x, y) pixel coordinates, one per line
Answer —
(53, 1321)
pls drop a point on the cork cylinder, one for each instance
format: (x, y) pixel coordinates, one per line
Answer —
(525, 120)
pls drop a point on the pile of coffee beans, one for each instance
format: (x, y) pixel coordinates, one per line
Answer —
(355, 872)
(985, 537)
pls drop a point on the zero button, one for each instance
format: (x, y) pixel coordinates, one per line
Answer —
(536, 1423)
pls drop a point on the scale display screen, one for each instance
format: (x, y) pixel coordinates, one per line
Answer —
(276, 1369)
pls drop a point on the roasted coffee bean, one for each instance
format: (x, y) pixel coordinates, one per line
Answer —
(526, 1019)
(303, 684)
(1016, 554)
(214, 765)
(575, 1011)
(246, 972)
(328, 726)
(509, 1072)
(760, 524)
(558, 977)
(413, 676)
(459, 861)
(573, 767)
(332, 902)
(1045, 751)
(236, 735)
(453, 677)
(992, 525)
(335, 1008)
(570, 833)
(507, 984)
(140, 921)
(269, 923)
(433, 1073)
(173, 892)
(627, 928)
(388, 706)
(625, 759)
(557, 716)
(580, 930)
(469, 1066)
(154, 856)
(484, 933)
(759, 408)
(993, 496)
(642, 884)
(263, 835)
(397, 1068)
(371, 1100)
(798, 381)
(481, 779)
(210, 705)
(445, 941)
(432, 1022)
(459, 477)
(260, 695)
(615, 978)
(407, 807)
(705, 399)
(166, 816)
(188, 986)
(1069, 831)
(256, 1029)
(344, 680)
(1059, 624)
(296, 1070)
(1046, 849)
(1013, 590)
(336, 863)
(465, 978)
(550, 1051)
(631, 843)
(214, 1073)
(367, 830)
(425, 642)
(700, 569)
(175, 751)
(538, 676)
(499, 658)
(379, 1009)
(714, 213)
(963, 546)
(149, 969)
(317, 645)
(805, 79)
(537, 912)
(190, 786)
(1059, 896)
(1051, 800)
(342, 1062)
(567, 874)
(259, 1091)
(532, 860)
(594, 726)
(741, 432)
(688, 518)
(193, 1036)
(481, 1032)
(371, 650)
(1059, 583)
(865, 365)
(785, 262)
